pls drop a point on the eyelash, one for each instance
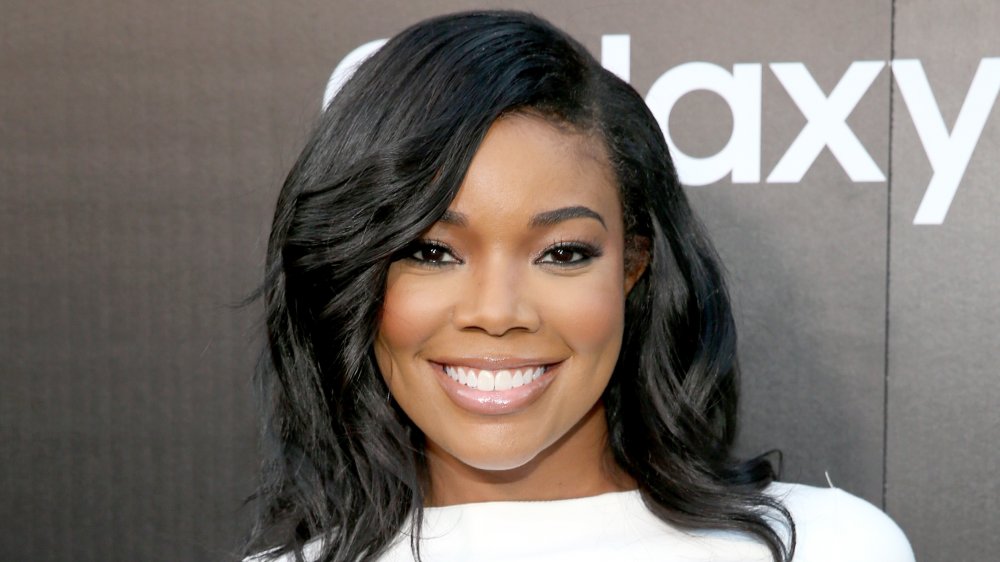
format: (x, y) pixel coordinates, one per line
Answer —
(422, 245)
(587, 252)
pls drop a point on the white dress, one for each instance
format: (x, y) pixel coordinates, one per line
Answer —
(831, 526)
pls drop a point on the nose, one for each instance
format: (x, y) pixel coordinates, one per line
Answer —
(496, 299)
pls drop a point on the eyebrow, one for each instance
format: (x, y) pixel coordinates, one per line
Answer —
(454, 218)
(547, 218)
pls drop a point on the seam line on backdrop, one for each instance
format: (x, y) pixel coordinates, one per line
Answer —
(888, 265)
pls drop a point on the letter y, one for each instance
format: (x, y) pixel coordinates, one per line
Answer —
(949, 154)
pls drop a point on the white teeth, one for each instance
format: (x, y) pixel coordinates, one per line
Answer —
(489, 380)
(484, 381)
(502, 381)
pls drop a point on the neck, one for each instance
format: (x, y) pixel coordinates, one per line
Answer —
(579, 464)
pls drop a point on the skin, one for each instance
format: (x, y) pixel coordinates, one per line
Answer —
(484, 283)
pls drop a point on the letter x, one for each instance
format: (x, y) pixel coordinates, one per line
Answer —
(826, 122)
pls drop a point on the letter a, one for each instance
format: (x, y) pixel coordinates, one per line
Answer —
(741, 90)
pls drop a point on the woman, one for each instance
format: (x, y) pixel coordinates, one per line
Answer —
(485, 289)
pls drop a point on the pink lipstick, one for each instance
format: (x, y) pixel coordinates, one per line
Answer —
(494, 388)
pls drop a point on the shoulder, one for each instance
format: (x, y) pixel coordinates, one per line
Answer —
(831, 524)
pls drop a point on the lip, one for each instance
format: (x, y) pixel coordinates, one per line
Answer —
(496, 363)
(495, 402)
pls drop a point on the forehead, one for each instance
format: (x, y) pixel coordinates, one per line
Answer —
(526, 164)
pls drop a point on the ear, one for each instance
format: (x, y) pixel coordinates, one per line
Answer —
(636, 260)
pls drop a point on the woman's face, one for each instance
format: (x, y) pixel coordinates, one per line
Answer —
(501, 327)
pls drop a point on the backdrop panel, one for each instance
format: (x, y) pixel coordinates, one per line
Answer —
(138, 163)
(944, 420)
(142, 146)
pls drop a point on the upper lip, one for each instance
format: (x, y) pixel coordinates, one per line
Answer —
(495, 363)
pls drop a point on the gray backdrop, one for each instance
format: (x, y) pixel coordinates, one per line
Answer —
(142, 147)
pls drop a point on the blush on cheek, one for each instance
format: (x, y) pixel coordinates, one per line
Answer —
(410, 313)
(597, 324)
(590, 316)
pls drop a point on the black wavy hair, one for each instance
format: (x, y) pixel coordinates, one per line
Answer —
(384, 162)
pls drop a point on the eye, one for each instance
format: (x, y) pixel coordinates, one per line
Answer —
(431, 253)
(569, 254)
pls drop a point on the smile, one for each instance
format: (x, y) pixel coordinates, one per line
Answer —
(504, 389)
(487, 380)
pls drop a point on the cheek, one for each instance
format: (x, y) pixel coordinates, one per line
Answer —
(589, 313)
(410, 314)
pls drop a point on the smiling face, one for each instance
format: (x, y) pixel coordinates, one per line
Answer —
(502, 325)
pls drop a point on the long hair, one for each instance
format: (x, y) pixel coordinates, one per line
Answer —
(381, 167)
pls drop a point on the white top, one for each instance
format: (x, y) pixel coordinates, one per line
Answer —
(831, 526)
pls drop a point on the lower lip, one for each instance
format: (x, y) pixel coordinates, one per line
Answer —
(494, 402)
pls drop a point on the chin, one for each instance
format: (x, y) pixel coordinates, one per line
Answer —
(499, 463)
(495, 459)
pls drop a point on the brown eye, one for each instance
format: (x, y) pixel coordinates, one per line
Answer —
(563, 255)
(570, 254)
(431, 253)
